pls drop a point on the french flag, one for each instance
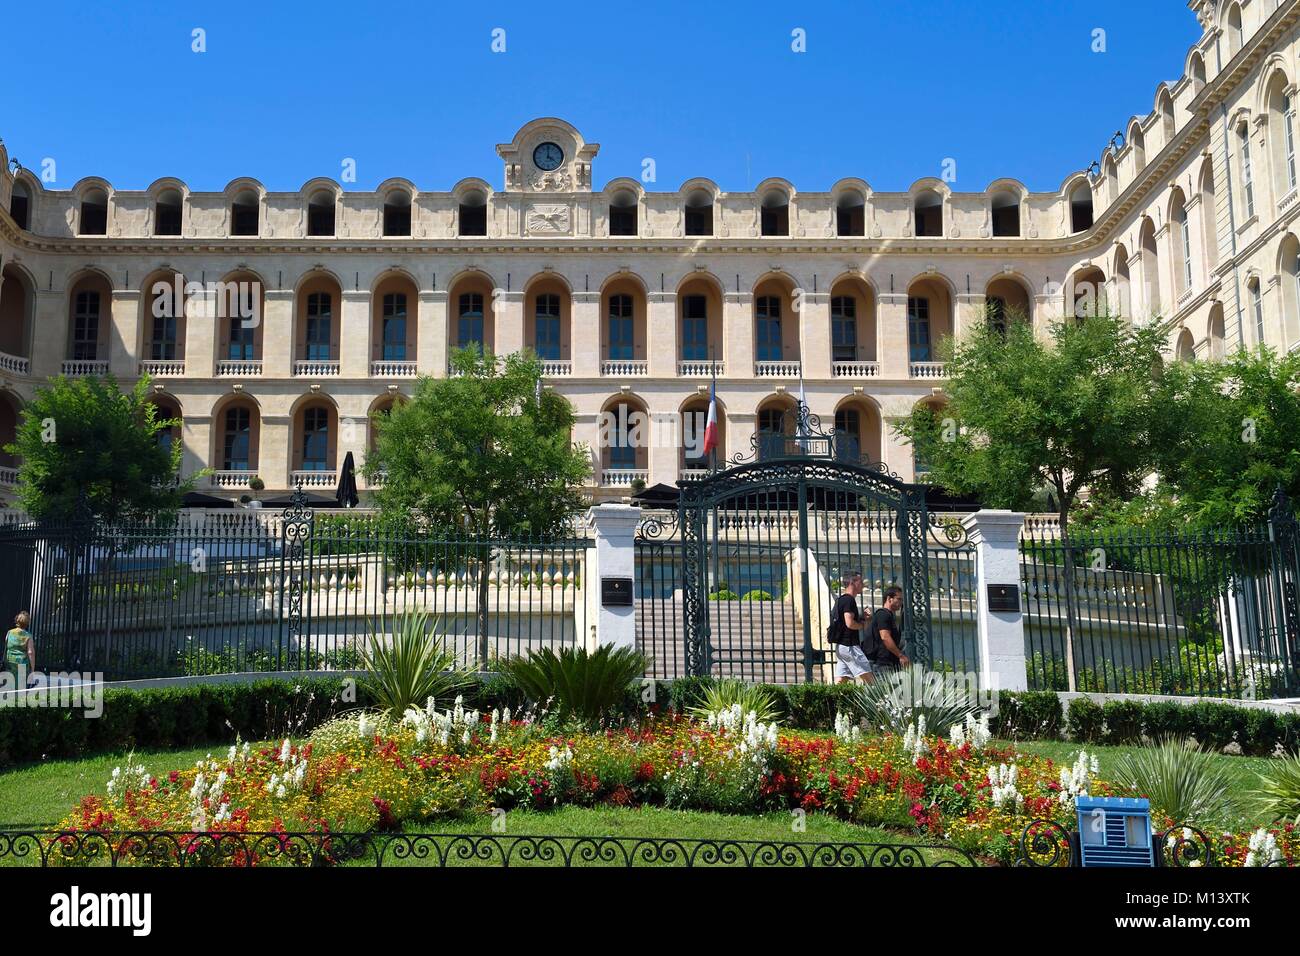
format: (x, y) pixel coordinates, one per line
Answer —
(711, 426)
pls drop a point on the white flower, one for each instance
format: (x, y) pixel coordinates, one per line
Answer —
(914, 739)
(1002, 780)
(1263, 849)
(1075, 781)
(846, 728)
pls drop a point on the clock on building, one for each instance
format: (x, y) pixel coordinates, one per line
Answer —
(548, 156)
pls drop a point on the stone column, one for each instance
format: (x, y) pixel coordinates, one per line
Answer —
(815, 335)
(508, 314)
(274, 456)
(969, 311)
(50, 335)
(892, 318)
(277, 335)
(662, 331)
(613, 556)
(202, 323)
(584, 334)
(1001, 634)
(124, 335)
(432, 333)
(354, 335)
(738, 333)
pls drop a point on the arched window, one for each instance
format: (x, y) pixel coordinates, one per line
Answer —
(1139, 146)
(397, 213)
(1198, 73)
(928, 211)
(774, 219)
(86, 307)
(918, 329)
(94, 213)
(624, 438)
(851, 214)
(844, 328)
(20, 205)
(767, 328)
(699, 213)
(1006, 214)
(167, 213)
(1236, 37)
(315, 439)
(320, 213)
(469, 321)
(848, 428)
(1281, 135)
(472, 213)
(1081, 207)
(1150, 267)
(1215, 337)
(546, 327)
(319, 327)
(620, 329)
(623, 214)
(393, 327)
(165, 318)
(1247, 170)
(244, 213)
(774, 421)
(1209, 237)
(1257, 310)
(237, 448)
(695, 328)
(1183, 239)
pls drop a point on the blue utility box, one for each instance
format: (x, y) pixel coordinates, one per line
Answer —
(1115, 831)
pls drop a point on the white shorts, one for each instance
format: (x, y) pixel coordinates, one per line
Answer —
(850, 662)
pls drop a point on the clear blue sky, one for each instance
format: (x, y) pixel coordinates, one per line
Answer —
(886, 90)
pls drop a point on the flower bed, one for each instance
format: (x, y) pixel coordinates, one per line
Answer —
(362, 773)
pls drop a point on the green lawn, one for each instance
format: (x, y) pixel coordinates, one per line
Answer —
(1244, 770)
(40, 795)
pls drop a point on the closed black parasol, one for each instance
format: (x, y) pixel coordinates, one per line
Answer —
(347, 494)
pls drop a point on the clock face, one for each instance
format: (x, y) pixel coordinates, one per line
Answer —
(548, 156)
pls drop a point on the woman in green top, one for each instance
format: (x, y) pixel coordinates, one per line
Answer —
(20, 649)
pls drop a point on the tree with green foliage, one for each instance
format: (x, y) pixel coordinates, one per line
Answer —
(1071, 412)
(483, 454)
(89, 449)
(1234, 440)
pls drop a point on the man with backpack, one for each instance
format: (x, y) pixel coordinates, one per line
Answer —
(845, 632)
(883, 642)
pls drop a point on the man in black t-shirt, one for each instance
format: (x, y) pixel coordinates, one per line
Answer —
(884, 643)
(845, 632)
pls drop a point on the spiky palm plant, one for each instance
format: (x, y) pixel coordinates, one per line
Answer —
(1180, 778)
(895, 700)
(408, 664)
(725, 694)
(1278, 793)
(575, 683)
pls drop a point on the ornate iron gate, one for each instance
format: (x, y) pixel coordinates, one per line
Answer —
(765, 544)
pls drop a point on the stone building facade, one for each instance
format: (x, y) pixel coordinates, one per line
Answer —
(294, 317)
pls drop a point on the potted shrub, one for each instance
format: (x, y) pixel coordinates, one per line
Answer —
(255, 485)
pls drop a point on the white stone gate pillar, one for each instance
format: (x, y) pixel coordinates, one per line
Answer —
(612, 558)
(995, 536)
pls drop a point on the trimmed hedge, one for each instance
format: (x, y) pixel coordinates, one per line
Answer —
(265, 709)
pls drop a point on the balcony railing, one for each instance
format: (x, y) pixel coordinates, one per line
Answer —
(244, 368)
(389, 369)
(232, 479)
(557, 368)
(8, 476)
(314, 479)
(776, 370)
(855, 369)
(693, 474)
(1285, 202)
(163, 368)
(316, 368)
(700, 369)
(627, 368)
(622, 477)
(14, 364)
(927, 370)
(76, 368)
